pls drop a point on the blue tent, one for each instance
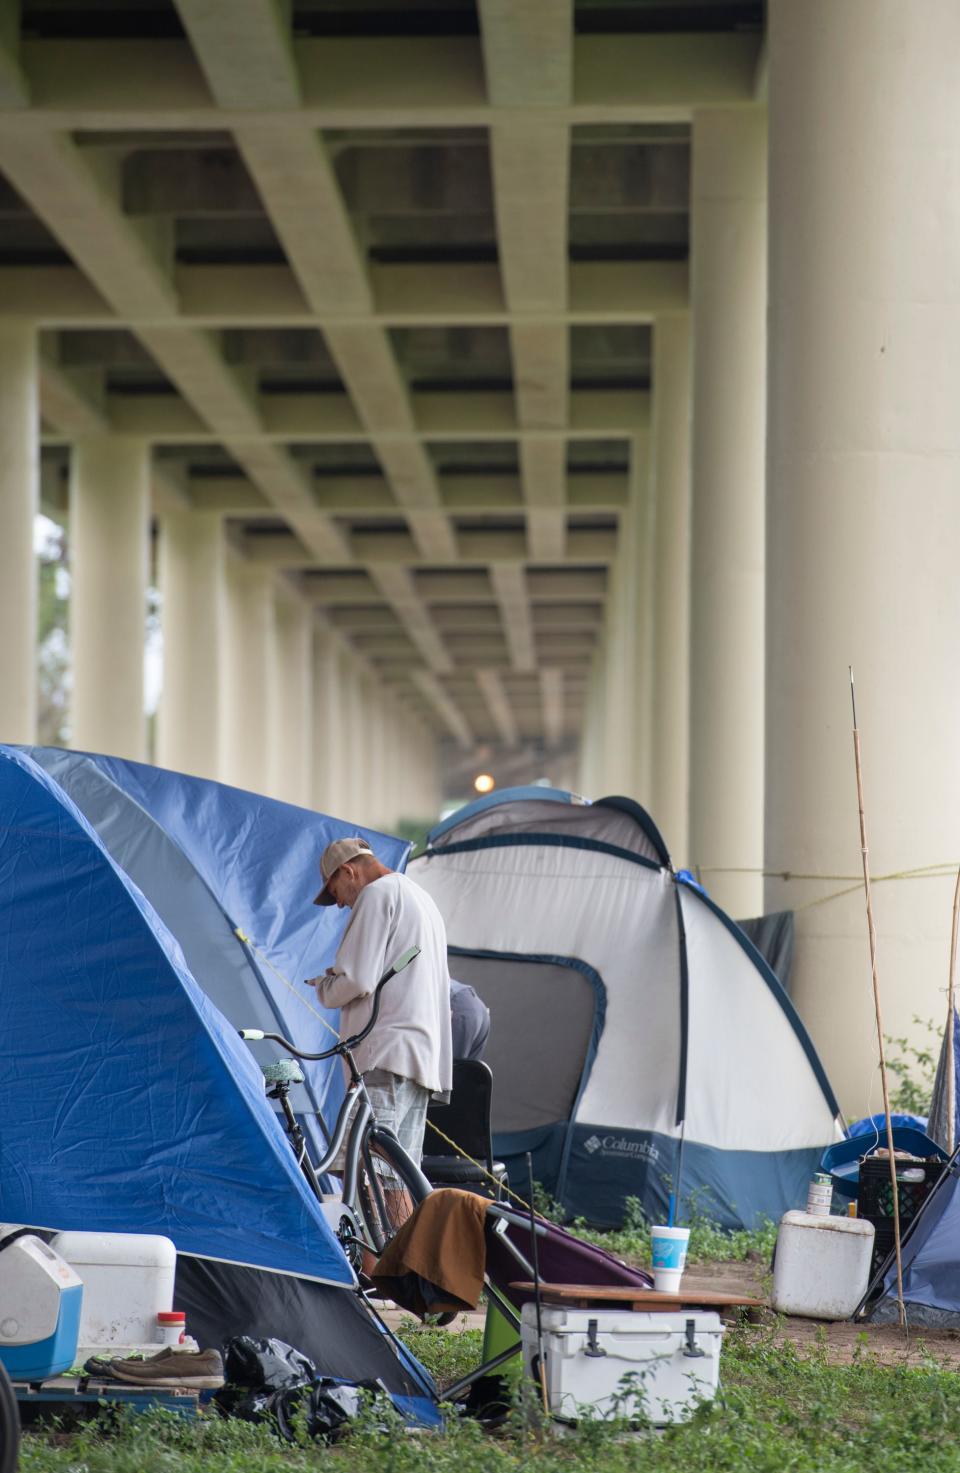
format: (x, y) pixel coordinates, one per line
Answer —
(930, 1256)
(127, 1101)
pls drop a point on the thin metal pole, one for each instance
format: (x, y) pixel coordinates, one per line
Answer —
(864, 853)
(951, 1004)
(536, 1289)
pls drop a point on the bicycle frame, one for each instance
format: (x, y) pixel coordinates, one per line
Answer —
(356, 1122)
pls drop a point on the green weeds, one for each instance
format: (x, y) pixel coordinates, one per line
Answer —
(780, 1410)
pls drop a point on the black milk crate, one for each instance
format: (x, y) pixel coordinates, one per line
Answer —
(875, 1197)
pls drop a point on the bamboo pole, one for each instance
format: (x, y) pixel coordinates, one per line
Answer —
(872, 930)
(951, 992)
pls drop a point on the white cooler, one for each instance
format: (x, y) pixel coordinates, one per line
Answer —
(672, 1360)
(127, 1279)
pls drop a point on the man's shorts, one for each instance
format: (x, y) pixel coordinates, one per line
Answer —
(401, 1105)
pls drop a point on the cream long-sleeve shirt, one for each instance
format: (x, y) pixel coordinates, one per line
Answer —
(412, 1034)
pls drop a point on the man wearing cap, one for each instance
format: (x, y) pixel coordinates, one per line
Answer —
(407, 1057)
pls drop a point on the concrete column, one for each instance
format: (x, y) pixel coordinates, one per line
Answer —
(728, 291)
(390, 716)
(373, 749)
(637, 531)
(428, 764)
(19, 494)
(353, 805)
(591, 744)
(619, 673)
(671, 631)
(191, 559)
(249, 676)
(109, 518)
(864, 510)
(291, 712)
(328, 748)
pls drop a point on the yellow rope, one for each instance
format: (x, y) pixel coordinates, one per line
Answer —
(922, 872)
(245, 939)
(502, 1186)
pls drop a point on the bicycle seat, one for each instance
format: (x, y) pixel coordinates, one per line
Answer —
(284, 1071)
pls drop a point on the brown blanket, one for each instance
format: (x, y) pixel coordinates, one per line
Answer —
(437, 1260)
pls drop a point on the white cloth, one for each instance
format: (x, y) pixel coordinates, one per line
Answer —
(412, 1033)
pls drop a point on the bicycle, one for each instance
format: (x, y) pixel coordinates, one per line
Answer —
(381, 1184)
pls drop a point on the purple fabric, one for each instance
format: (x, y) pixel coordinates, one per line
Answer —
(563, 1259)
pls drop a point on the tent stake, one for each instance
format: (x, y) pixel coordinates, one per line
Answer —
(871, 928)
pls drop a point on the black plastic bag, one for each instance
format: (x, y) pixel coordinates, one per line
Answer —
(265, 1365)
(267, 1380)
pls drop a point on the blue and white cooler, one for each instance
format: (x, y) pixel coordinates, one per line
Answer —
(40, 1300)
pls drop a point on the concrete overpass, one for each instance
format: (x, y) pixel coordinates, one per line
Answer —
(427, 356)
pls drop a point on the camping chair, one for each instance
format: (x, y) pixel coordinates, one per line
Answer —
(466, 1120)
(562, 1258)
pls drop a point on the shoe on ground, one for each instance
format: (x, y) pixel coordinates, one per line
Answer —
(197, 1370)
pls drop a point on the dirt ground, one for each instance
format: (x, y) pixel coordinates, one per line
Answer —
(839, 1338)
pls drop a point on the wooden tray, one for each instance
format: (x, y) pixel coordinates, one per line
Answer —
(589, 1296)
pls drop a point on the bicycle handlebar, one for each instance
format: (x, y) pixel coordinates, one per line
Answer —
(255, 1035)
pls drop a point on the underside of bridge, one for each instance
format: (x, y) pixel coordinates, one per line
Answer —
(376, 281)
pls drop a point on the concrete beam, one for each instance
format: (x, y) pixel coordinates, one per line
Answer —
(14, 88)
(543, 464)
(527, 52)
(70, 402)
(247, 55)
(452, 718)
(491, 688)
(356, 82)
(80, 204)
(404, 295)
(296, 183)
(509, 585)
(397, 587)
(78, 198)
(328, 418)
(551, 696)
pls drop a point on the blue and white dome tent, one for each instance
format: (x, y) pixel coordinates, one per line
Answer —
(630, 1016)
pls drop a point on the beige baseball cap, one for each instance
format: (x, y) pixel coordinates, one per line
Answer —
(341, 851)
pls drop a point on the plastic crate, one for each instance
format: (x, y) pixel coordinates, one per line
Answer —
(915, 1181)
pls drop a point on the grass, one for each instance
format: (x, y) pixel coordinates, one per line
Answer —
(780, 1411)
(708, 1242)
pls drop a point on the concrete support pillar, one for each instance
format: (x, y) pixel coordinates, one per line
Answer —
(864, 511)
(728, 292)
(249, 676)
(619, 673)
(592, 740)
(670, 711)
(353, 807)
(328, 749)
(109, 512)
(291, 712)
(19, 493)
(191, 558)
(637, 532)
(428, 765)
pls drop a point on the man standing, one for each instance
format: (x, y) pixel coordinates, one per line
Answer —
(407, 1057)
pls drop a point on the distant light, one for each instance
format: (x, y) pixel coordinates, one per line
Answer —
(484, 783)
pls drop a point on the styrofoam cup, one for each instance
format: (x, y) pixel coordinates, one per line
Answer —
(669, 1252)
(667, 1280)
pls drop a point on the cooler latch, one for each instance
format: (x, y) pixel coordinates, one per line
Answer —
(693, 1351)
(593, 1346)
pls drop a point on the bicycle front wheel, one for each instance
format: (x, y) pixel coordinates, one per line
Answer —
(389, 1187)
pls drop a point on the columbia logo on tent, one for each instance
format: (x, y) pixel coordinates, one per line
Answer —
(593, 1144)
